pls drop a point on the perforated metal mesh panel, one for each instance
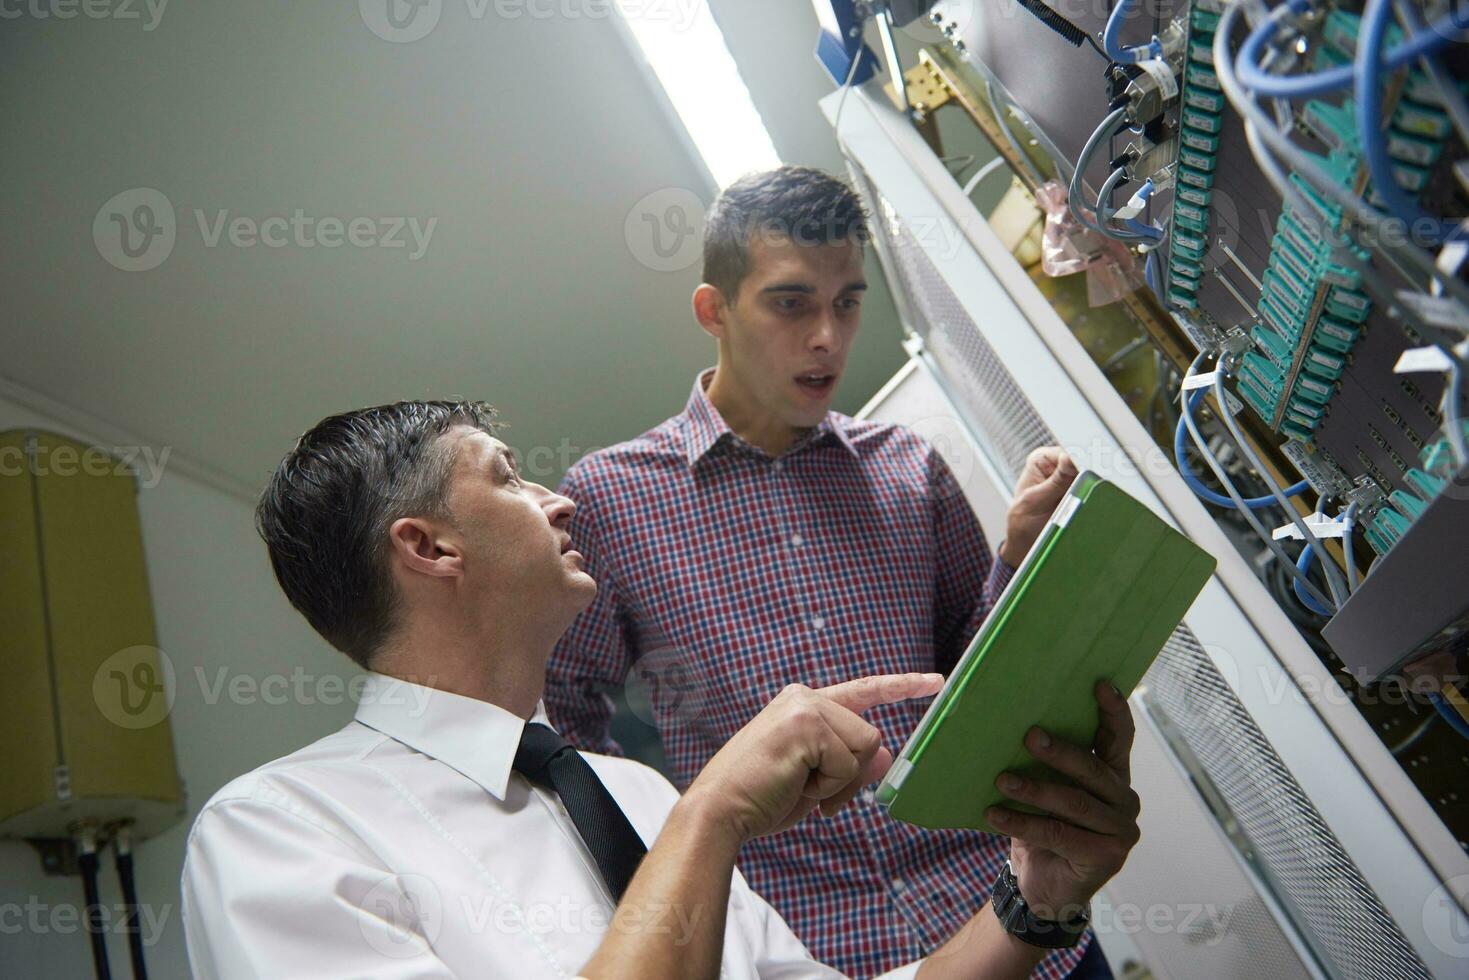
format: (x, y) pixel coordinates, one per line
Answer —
(993, 403)
(1286, 839)
(1309, 873)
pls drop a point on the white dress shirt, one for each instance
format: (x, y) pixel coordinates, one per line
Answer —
(404, 846)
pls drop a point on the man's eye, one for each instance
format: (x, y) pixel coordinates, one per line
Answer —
(850, 303)
(789, 304)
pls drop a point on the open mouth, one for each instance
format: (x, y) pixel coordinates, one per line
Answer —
(816, 384)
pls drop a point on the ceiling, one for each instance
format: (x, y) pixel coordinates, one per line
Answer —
(530, 139)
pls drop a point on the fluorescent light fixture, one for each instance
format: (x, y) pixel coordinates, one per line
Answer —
(686, 50)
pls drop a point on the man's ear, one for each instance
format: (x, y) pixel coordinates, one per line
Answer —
(710, 310)
(426, 547)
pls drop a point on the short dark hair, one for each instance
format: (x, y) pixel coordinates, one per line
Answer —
(805, 205)
(325, 514)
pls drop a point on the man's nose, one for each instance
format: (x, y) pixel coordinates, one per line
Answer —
(559, 509)
(824, 337)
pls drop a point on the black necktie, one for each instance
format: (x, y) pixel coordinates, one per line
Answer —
(548, 760)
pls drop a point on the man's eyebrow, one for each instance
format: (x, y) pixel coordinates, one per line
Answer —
(800, 287)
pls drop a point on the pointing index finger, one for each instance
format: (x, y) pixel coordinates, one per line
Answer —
(867, 692)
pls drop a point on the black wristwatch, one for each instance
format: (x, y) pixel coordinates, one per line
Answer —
(1016, 918)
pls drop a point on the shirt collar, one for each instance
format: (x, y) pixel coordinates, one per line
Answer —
(473, 737)
(704, 427)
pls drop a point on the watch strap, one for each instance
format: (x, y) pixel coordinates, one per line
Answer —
(1017, 919)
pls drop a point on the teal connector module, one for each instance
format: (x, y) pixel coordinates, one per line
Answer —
(1200, 116)
(1405, 505)
(1311, 305)
(1419, 127)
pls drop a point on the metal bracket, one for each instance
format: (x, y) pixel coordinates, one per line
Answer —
(926, 91)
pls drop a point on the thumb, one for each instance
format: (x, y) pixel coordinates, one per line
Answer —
(1064, 472)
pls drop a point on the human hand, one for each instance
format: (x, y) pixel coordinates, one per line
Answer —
(1043, 482)
(807, 748)
(1062, 858)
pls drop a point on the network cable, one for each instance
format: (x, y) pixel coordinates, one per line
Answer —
(1150, 276)
(1453, 423)
(1113, 47)
(1108, 126)
(1450, 714)
(983, 172)
(1372, 280)
(1192, 479)
(1367, 91)
(1349, 527)
(1303, 565)
(1249, 73)
(1454, 102)
(1245, 511)
(1306, 166)
(1104, 129)
(1334, 580)
(1103, 213)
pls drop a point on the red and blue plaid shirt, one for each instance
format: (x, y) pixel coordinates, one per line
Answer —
(725, 575)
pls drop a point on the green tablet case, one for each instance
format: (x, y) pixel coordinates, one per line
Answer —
(1097, 597)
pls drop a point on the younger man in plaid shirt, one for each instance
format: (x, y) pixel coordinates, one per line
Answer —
(758, 539)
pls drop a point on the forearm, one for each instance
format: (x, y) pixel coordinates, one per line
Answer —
(982, 949)
(670, 922)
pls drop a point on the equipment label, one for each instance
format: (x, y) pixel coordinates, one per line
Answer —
(1160, 71)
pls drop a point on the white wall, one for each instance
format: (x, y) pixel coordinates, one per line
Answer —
(220, 614)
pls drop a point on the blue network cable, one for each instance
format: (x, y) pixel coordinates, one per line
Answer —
(1303, 565)
(1150, 272)
(1368, 93)
(1180, 437)
(1449, 714)
(1143, 195)
(1104, 213)
(1247, 65)
(1114, 48)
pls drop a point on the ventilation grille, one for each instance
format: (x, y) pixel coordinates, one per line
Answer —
(992, 402)
(1291, 846)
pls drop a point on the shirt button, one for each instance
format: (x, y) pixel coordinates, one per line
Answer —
(777, 466)
(897, 884)
(818, 622)
(797, 540)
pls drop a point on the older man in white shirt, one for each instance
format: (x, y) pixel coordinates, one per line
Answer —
(448, 831)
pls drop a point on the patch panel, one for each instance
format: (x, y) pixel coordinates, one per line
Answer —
(1310, 313)
(1200, 117)
(1421, 484)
